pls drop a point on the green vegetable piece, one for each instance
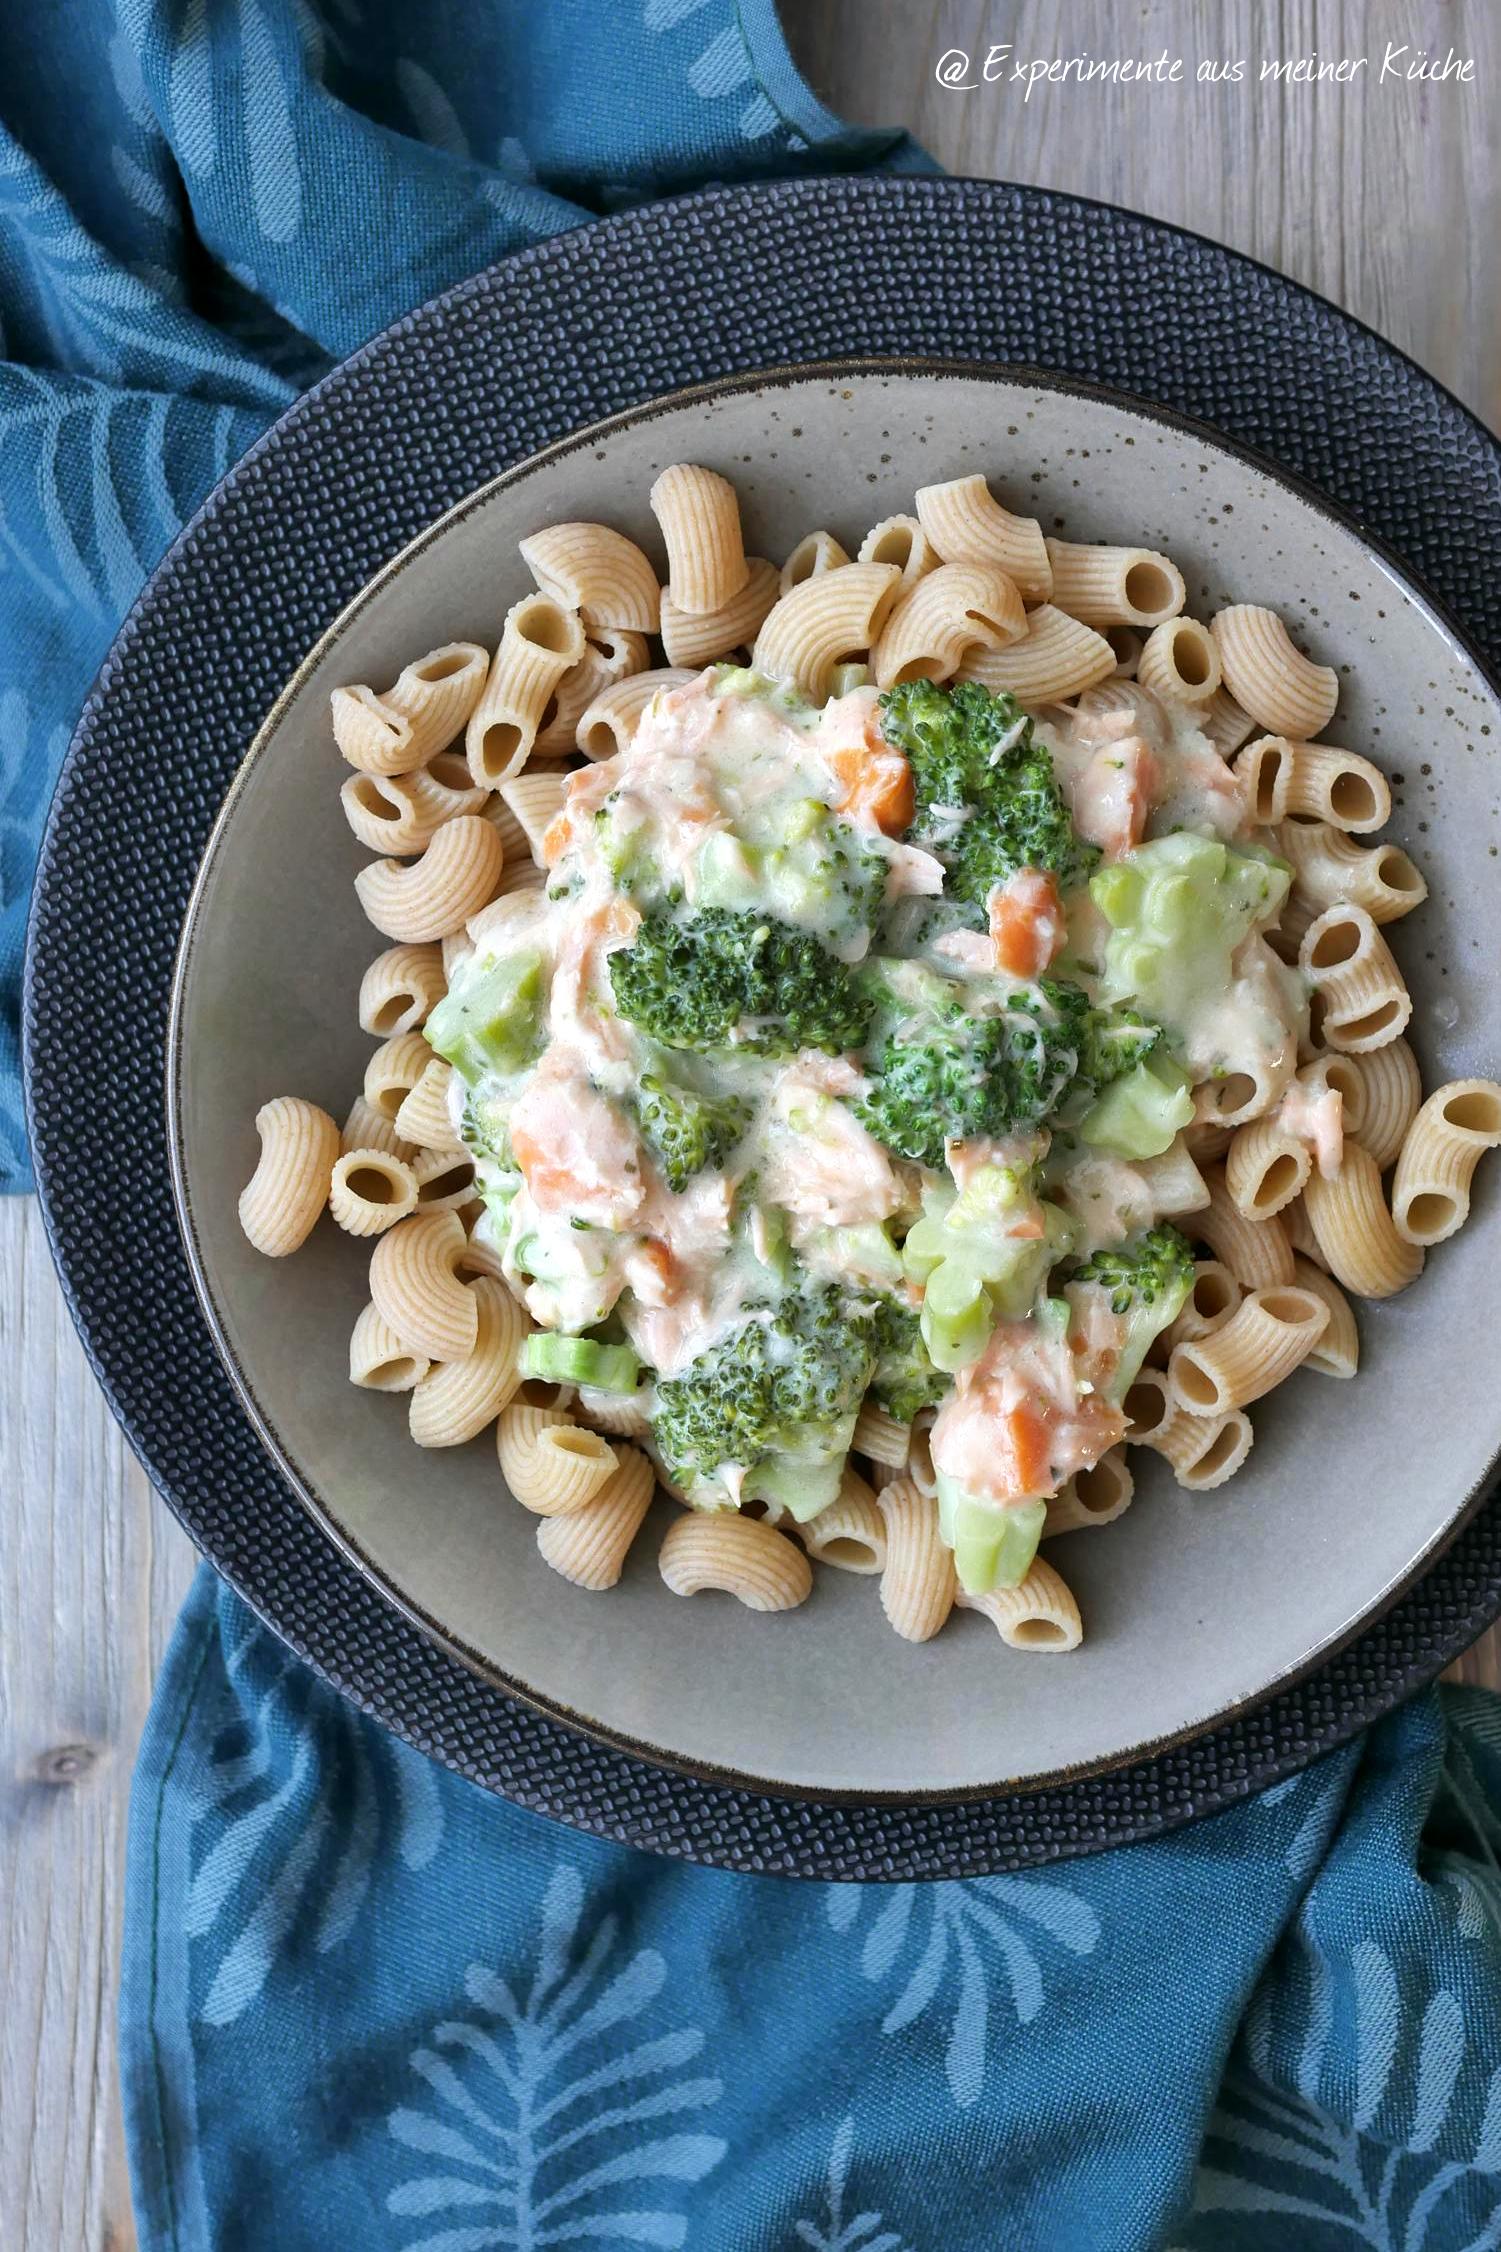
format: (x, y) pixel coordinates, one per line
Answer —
(717, 979)
(993, 1543)
(688, 1133)
(489, 1021)
(957, 1315)
(904, 1380)
(1178, 909)
(1146, 1281)
(555, 1359)
(1141, 1114)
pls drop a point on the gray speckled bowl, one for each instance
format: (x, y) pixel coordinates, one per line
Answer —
(1194, 1606)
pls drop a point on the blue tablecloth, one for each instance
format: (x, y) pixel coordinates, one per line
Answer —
(366, 2006)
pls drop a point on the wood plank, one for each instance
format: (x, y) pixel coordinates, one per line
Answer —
(92, 1572)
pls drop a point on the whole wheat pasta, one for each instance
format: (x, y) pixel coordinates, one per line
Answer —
(1355, 1230)
(850, 1533)
(1096, 1496)
(1174, 1182)
(393, 1071)
(540, 642)
(424, 1118)
(824, 621)
(699, 516)
(453, 1404)
(424, 899)
(609, 723)
(399, 988)
(589, 1546)
(814, 553)
(1180, 662)
(1300, 1235)
(1337, 1352)
(917, 1584)
(1213, 1296)
(480, 1256)
(737, 1556)
(1039, 1615)
(445, 1180)
(920, 1453)
(536, 798)
(1204, 1452)
(1261, 1344)
(596, 571)
(415, 1288)
(1205, 1139)
(1391, 1091)
(901, 542)
(553, 1464)
(419, 715)
(1265, 1167)
(1127, 644)
(1115, 586)
(880, 1438)
(1257, 1252)
(1269, 676)
(370, 1190)
(518, 870)
(1337, 787)
(944, 617)
(280, 1203)
(1364, 1002)
(1059, 657)
(698, 637)
(618, 1414)
(1328, 865)
(1264, 769)
(967, 524)
(378, 1361)
(1223, 722)
(402, 813)
(610, 656)
(368, 1127)
(1445, 1142)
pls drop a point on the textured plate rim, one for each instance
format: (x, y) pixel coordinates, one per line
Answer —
(782, 375)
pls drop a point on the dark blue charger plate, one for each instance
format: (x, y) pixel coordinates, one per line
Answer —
(561, 336)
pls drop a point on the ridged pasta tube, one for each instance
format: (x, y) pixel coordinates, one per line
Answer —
(1059, 657)
(850, 1533)
(419, 715)
(596, 571)
(280, 1203)
(901, 542)
(553, 1464)
(917, 1584)
(369, 1191)
(608, 725)
(815, 553)
(699, 515)
(1337, 1352)
(415, 1288)
(1096, 1496)
(738, 1556)
(967, 524)
(1444, 1144)
(393, 1071)
(823, 622)
(1328, 864)
(1355, 1230)
(609, 657)
(1179, 662)
(1265, 1167)
(1257, 1252)
(399, 989)
(418, 900)
(1203, 1451)
(1362, 999)
(453, 1404)
(378, 1360)
(1213, 1296)
(1269, 677)
(590, 1546)
(1115, 586)
(694, 638)
(945, 616)
(1392, 1090)
(424, 1118)
(880, 1438)
(1039, 1616)
(540, 641)
(1267, 1336)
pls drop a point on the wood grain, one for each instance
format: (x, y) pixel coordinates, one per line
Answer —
(1387, 199)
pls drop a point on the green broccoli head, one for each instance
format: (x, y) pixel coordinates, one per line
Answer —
(687, 1132)
(721, 978)
(1145, 1280)
(988, 802)
(903, 1380)
(778, 1382)
(956, 1076)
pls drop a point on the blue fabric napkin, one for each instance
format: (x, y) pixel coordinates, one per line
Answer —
(366, 2006)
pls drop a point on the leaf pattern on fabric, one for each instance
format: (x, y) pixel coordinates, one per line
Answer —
(1357, 2164)
(833, 2231)
(720, 70)
(286, 1844)
(561, 2114)
(931, 1934)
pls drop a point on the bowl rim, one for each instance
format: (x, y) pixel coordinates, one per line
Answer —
(784, 375)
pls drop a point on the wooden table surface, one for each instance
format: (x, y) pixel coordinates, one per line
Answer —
(1387, 197)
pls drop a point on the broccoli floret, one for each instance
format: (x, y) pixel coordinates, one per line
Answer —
(1145, 1280)
(904, 1380)
(962, 1076)
(721, 979)
(775, 1383)
(988, 802)
(686, 1132)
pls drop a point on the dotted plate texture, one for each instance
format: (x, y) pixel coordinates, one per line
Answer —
(595, 321)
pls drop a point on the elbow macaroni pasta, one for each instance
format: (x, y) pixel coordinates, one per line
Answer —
(280, 1204)
(944, 617)
(966, 524)
(1269, 676)
(699, 516)
(825, 620)
(1117, 586)
(1440, 1151)
(1058, 657)
(597, 572)
(737, 1556)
